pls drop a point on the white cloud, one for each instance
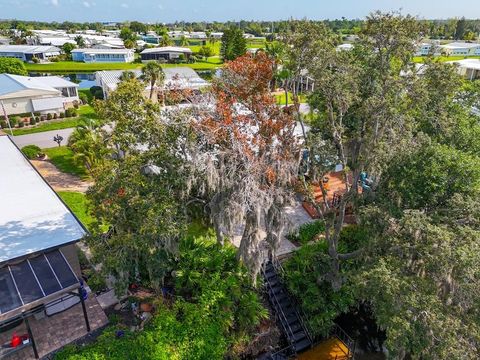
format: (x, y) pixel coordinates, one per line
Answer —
(54, 2)
(124, 6)
(86, 4)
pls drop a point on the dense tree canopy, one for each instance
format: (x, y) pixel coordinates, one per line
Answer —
(137, 189)
(248, 157)
(233, 44)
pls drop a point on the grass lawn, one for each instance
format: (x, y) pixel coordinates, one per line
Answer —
(87, 93)
(76, 67)
(216, 47)
(280, 99)
(78, 203)
(62, 158)
(421, 59)
(84, 112)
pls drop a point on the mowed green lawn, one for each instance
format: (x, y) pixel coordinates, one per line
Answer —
(421, 59)
(84, 112)
(76, 67)
(62, 158)
(280, 98)
(78, 203)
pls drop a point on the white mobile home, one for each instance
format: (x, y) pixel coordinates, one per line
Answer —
(461, 49)
(29, 52)
(44, 94)
(103, 55)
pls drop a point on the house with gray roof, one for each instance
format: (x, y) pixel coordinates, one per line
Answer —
(181, 78)
(29, 52)
(165, 53)
(42, 296)
(43, 94)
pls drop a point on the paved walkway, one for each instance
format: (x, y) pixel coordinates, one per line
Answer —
(56, 331)
(296, 215)
(58, 180)
(44, 139)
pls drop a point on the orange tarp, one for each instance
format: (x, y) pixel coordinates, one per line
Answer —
(330, 349)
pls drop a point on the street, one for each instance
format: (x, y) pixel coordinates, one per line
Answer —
(42, 140)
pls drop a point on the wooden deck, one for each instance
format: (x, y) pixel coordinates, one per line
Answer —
(331, 349)
(335, 188)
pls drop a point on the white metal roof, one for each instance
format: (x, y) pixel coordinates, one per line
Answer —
(29, 49)
(103, 51)
(181, 77)
(473, 64)
(460, 45)
(17, 85)
(165, 49)
(32, 217)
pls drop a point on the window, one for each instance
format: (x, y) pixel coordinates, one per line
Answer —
(62, 269)
(9, 298)
(27, 284)
(45, 275)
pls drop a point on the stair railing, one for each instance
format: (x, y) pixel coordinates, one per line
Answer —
(286, 352)
(279, 310)
(298, 308)
(341, 334)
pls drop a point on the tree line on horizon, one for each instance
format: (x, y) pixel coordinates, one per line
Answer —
(449, 29)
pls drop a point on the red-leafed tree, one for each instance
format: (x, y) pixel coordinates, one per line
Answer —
(249, 156)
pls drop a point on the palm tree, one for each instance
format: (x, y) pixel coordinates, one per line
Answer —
(127, 75)
(183, 41)
(165, 40)
(87, 144)
(152, 73)
(275, 51)
(80, 41)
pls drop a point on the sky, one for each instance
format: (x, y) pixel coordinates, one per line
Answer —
(223, 10)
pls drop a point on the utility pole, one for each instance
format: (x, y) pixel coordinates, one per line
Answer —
(6, 117)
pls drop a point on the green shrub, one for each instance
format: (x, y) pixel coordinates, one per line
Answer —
(62, 115)
(353, 237)
(14, 120)
(12, 66)
(308, 231)
(70, 112)
(96, 92)
(21, 124)
(320, 303)
(3, 124)
(55, 115)
(36, 114)
(31, 151)
(221, 308)
(83, 98)
(49, 116)
(32, 121)
(95, 280)
(37, 119)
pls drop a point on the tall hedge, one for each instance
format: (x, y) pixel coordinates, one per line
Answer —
(12, 66)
